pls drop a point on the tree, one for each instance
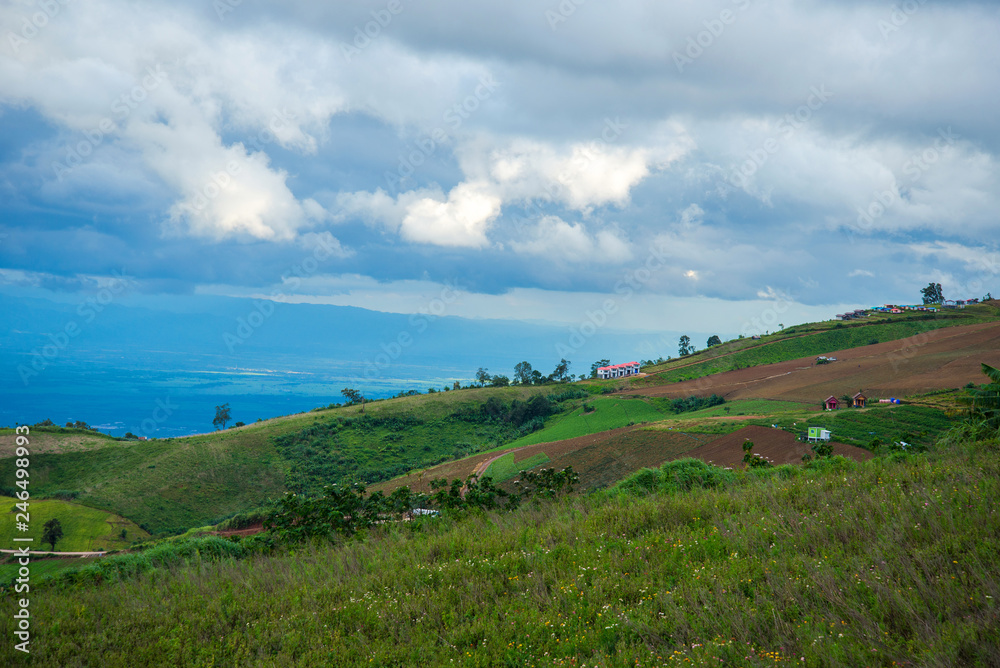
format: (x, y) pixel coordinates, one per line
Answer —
(221, 416)
(684, 346)
(537, 378)
(561, 372)
(984, 402)
(522, 373)
(52, 532)
(596, 365)
(987, 297)
(932, 294)
(713, 340)
(352, 396)
(482, 376)
(499, 380)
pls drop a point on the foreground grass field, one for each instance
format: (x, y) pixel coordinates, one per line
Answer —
(891, 562)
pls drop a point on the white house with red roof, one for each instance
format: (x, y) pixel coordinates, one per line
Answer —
(618, 370)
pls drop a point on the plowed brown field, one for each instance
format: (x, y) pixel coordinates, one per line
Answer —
(777, 445)
(941, 358)
(600, 459)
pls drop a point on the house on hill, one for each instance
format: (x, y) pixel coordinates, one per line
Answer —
(618, 370)
(818, 434)
(831, 403)
(859, 400)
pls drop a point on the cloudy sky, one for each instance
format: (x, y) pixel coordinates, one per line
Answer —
(676, 163)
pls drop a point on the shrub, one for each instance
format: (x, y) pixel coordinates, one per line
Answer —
(673, 477)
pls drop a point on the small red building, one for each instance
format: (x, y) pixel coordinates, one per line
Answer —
(859, 400)
(831, 403)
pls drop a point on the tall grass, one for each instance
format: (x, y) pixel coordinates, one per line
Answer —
(891, 562)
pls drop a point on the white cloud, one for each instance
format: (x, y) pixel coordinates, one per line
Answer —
(556, 239)
(324, 244)
(580, 175)
(861, 272)
(460, 220)
(980, 259)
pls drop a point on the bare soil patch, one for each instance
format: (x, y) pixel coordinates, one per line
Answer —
(938, 359)
(777, 445)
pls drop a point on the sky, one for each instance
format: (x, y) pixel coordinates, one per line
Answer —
(719, 165)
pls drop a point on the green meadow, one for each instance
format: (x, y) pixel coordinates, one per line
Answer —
(608, 413)
(890, 562)
(84, 529)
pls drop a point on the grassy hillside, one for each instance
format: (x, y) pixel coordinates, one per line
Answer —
(788, 347)
(913, 424)
(505, 468)
(164, 485)
(84, 528)
(172, 485)
(168, 486)
(891, 562)
(608, 413)
(797, 341)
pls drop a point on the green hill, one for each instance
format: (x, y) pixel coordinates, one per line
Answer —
(808, 340)
(84, 529)
(890, 562)
(168, 486)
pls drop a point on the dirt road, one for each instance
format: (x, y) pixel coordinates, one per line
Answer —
(39, 553)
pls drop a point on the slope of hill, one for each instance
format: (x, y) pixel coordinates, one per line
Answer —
(168, 486)
(887, 562)
(84, 529)
(935, 359)
(171, 485)
(810, 340)
(775, 445)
